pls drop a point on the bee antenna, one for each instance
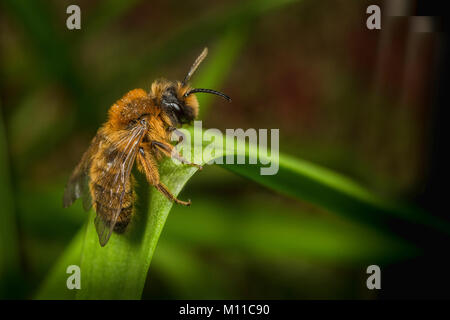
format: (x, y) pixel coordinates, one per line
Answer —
(194, 67)
(223, 95)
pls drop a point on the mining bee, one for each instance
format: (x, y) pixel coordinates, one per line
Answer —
(138, 131)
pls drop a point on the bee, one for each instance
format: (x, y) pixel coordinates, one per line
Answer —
(138, 131)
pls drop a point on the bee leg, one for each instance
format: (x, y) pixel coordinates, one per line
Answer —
(163, 189)
(170, 151)
(147, 165)
(178, 132)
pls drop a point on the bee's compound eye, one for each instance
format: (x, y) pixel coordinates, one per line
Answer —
(174, 105)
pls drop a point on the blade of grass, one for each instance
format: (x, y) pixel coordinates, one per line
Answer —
(330, 190)
(302, 236)
(119, 270)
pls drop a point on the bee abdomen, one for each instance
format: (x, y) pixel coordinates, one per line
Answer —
(99, 190)
(107, 207)
(124, 219)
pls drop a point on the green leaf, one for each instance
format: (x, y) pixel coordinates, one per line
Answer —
(119, 270)
(306, 181)
(54, 286)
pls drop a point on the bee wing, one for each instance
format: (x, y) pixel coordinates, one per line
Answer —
(114, 181)
(78, 185)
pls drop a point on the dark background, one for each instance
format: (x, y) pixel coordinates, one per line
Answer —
(433, 195)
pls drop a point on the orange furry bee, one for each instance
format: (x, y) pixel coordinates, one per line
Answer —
(138, 131)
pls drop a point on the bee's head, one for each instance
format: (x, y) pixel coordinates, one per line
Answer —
(178, 99)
